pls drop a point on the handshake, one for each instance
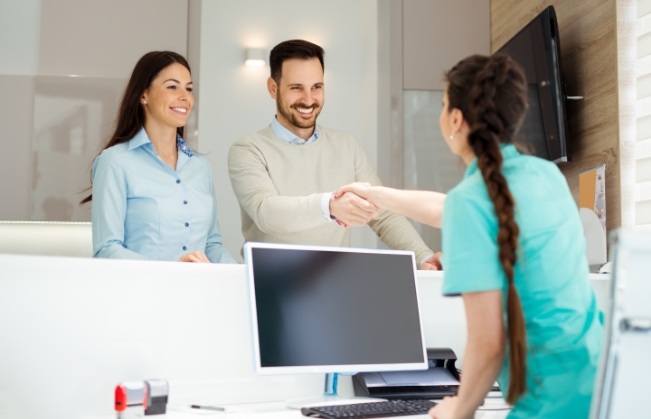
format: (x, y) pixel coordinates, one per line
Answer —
(358, 203)
(351, 206)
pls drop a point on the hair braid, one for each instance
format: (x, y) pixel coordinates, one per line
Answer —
(495, 107)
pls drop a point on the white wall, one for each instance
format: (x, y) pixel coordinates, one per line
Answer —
(234, 99)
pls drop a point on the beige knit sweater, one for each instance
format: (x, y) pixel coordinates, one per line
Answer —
(279, 187)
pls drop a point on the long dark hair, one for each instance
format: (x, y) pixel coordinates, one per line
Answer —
(294, 48)
(131, 116)
(491, 92)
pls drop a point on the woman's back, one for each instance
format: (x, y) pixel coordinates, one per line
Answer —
(563, 323)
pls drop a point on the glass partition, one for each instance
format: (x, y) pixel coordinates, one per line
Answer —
(65, 65)
(428, 163)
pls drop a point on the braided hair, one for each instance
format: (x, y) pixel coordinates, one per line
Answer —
(491, 92)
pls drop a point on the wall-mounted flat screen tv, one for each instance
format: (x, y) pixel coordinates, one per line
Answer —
(537, 49)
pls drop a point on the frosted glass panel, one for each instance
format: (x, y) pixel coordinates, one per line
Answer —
(16, 140)
(428, 163)
(73, 118)
(64, 68)
(56, 127)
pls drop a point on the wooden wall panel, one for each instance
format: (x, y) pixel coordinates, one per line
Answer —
(588, 41)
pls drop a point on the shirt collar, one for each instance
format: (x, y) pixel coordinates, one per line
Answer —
(183, 147)
(508, 151)
(141, 138)
(289, 137)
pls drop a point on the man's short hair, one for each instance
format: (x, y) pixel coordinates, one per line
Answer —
(295, 48)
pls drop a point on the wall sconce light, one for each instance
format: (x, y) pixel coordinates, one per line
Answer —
(255, 57)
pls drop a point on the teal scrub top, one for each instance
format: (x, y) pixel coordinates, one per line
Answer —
(563, 323)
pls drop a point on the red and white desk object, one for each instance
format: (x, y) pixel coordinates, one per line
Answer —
(131, 399)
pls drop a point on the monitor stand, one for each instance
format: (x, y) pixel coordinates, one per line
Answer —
(329, 396)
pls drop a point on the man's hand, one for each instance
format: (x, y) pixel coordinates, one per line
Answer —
(352, 210)
(433, 263)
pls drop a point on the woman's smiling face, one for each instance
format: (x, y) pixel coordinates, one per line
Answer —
(168, 100)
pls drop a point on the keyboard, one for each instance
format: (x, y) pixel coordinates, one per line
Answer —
(379, 409)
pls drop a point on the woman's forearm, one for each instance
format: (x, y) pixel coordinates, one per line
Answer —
(485, 348)
(423, 206)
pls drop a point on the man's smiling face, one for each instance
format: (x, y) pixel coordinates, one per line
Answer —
(299, 95)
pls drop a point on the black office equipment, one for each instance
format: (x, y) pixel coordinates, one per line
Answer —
(324, 309)
(370, 410)
(439, 380)
(536, 47)
(158, 391)
(333, 309)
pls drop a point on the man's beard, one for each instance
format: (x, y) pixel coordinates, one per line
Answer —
(294, 119)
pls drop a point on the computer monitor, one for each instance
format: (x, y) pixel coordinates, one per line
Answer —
(319, 309)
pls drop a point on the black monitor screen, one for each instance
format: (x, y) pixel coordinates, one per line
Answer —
(322, 309)
(536, 48)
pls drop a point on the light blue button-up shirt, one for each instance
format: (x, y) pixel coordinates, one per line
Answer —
(291, 138)
(144, 209)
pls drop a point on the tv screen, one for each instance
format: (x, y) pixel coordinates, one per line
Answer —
(331, 310)
(537, 49)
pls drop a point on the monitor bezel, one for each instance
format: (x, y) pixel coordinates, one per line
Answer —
(328, 368)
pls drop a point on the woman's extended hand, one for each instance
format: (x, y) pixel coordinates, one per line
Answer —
(361, 189)
(196, 256)
(445, 409)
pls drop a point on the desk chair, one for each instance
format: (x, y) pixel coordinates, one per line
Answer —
(622, 387)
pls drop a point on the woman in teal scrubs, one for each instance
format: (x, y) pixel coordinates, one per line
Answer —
(514, 248)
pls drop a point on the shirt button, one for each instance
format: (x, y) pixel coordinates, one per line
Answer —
(187, 224)
(185, 248)
(185, 202)
(178, 180)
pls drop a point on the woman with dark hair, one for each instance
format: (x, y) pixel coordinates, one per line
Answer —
(513, 247)
(153, 197)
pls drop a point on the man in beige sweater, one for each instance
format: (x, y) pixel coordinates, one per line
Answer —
(285, 175)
